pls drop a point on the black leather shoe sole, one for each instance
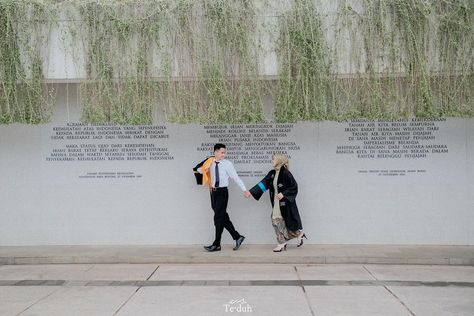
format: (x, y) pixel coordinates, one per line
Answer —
(239, 242)
(212, 248)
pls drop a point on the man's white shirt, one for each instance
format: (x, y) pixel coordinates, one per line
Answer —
(226, 170)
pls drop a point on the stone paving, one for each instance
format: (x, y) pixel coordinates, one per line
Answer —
(236, 289)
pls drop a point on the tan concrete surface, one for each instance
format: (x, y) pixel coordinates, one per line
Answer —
(210, 289)
(308, 254)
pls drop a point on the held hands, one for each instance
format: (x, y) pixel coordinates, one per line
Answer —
(247, 194)
(279, 196)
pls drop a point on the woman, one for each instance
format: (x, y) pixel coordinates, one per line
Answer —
(283, 190)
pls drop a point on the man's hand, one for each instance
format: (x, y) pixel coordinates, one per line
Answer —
(247, 194)
(279, 196)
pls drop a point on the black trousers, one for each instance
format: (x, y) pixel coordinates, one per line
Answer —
(219, 199)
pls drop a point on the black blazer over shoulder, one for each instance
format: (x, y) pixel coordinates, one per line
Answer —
(286, 184)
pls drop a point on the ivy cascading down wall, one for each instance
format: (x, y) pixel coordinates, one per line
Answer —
(201, 60)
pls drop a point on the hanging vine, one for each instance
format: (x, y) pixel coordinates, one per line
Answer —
(304, 69)
(200, 60)
(456, 44)
(119, 37)
(215, 58)
(24, 31)
(411, 20)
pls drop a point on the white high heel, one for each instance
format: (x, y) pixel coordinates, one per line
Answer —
(280, 248)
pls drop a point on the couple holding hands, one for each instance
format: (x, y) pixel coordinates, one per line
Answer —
(215, 172)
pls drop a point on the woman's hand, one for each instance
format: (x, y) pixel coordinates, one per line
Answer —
(279, 196)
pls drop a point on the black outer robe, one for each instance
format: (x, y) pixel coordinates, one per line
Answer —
(196, 173)
(289, 188)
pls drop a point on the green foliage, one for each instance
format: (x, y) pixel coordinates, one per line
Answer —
(119, 87)
(221, 82)
(198, 60)
(304, 68)
(24, 97)
(218, 73)
(456, 42)
(390, 46)
(411, 20)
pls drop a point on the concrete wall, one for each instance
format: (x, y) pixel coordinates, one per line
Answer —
(343, 198)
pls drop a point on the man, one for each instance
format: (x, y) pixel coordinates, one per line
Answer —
(221, 169)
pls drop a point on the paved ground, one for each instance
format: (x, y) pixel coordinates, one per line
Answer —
(309, 254)
(236, 289)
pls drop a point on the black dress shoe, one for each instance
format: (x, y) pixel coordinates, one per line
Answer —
(239, 242)
(212, 248)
